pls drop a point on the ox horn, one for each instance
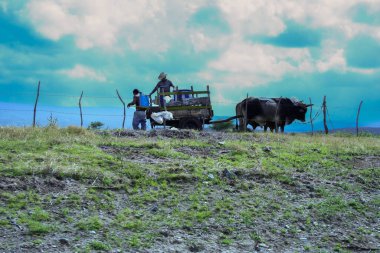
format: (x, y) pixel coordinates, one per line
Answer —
(309, 105)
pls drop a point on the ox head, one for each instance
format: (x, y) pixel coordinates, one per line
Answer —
(300, 110)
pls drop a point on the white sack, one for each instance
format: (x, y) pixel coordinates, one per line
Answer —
(159, 117)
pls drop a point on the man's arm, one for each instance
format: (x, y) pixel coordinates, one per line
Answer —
(155, 89)
(134, 101)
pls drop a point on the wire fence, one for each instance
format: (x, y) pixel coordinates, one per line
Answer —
(223, 102)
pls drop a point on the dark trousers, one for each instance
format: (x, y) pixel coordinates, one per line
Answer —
(139, 117)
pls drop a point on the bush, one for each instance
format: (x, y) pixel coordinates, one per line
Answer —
(95, 125)
(52, 121)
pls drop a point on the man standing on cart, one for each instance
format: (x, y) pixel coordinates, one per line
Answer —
(164, 86)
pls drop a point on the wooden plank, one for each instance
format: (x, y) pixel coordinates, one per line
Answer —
(181, 93)
(226, 120)
(184, 113)
(142, 108)
(184, 108)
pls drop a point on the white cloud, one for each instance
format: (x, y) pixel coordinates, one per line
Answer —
(333, 59)
(152, 23)
(154, 26)
(266, 17)
(141, 24)
(254, 64)
(4, 6)
(220, 99)
(80, 71)
(253, 17)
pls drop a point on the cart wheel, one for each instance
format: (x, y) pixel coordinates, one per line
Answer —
(191, 123)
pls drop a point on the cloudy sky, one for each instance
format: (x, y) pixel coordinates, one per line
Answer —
(265, 48)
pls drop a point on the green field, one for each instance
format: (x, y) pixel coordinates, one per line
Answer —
(74, 190)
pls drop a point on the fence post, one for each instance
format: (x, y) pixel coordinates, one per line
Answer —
(324, 115)
(80, 109)
(117, 92)
(357, 118)
(35, 104)
(311, 116)
(246, 114)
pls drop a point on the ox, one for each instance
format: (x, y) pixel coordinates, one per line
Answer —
(270, 112)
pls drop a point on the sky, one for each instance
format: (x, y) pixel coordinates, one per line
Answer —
(263, 48)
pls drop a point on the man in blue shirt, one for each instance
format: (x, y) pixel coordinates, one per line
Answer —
(164, 86)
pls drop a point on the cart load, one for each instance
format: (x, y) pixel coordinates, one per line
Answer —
(190, 109)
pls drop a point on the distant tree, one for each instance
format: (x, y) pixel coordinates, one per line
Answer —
(225, 126)
(95, 125)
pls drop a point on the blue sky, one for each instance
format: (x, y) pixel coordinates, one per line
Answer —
(264, 48)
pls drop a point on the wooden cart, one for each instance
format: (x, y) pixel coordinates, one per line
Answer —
(191, 109)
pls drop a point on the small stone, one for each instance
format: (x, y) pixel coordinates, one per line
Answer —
(211, 176)
(230, 175)
(221, 142)
(263, 245)
(154, 208)
(177, 240)
(64, 241)
(246, 243)
(164, 233)
(267, 149)
(196, 247)
(92, 232)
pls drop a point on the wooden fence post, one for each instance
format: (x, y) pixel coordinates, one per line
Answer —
(324, 115)
(246, 114)
(311, 116)
(35, 104)
(357, 118)
(275, 117)
(117, 92)
(80, 109)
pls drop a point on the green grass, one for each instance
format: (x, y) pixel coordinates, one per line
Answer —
(100, 246)
(125, 195)
(36, 227)
(90, 223)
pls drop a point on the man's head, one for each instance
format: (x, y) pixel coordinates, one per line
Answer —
(136, 91)
(162, 76)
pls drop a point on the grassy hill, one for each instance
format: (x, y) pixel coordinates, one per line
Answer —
(73, 190)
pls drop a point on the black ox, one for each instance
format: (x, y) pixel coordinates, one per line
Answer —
(269, 112)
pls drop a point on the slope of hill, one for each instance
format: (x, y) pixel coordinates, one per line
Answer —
(67, 190)
(362, 130)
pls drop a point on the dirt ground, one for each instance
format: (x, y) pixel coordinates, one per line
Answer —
(261, 211)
